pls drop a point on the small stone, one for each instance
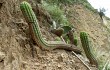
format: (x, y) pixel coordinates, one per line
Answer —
(59, 66)
(2, 56)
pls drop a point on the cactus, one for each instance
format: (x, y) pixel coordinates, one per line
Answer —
(75, 41)
(87, 48)
(36, 34)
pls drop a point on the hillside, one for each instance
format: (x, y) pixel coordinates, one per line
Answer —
(17, 52)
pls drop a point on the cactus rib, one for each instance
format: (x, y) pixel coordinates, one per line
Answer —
(87, 48)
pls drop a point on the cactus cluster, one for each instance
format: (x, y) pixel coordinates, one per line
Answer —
(87, 48)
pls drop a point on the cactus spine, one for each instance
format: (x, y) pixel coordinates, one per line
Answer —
(87, 48)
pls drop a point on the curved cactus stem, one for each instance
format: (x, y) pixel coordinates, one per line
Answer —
(37, 35)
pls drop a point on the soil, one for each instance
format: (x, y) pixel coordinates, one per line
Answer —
(16, 51)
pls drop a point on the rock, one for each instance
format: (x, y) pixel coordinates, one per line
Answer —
(2, 56)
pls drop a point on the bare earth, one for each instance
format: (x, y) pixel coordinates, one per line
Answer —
(15, 46)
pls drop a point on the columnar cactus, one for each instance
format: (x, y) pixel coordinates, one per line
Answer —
(75, 41)
(87, 48)
(36, 34)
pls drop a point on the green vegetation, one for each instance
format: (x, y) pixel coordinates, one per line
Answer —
(58, 2)
(87, 48)
(85, 3)
(104, 66)
(66, 29)
(56, 13)
(101, 12)
(75, 40)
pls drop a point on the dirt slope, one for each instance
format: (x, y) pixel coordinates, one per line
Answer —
(86, 20)
(15, 47)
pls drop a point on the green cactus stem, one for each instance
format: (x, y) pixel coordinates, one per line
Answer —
(36, 34)
(87, 48)
(75, 41)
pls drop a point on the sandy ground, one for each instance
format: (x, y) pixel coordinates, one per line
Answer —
(16, 50)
